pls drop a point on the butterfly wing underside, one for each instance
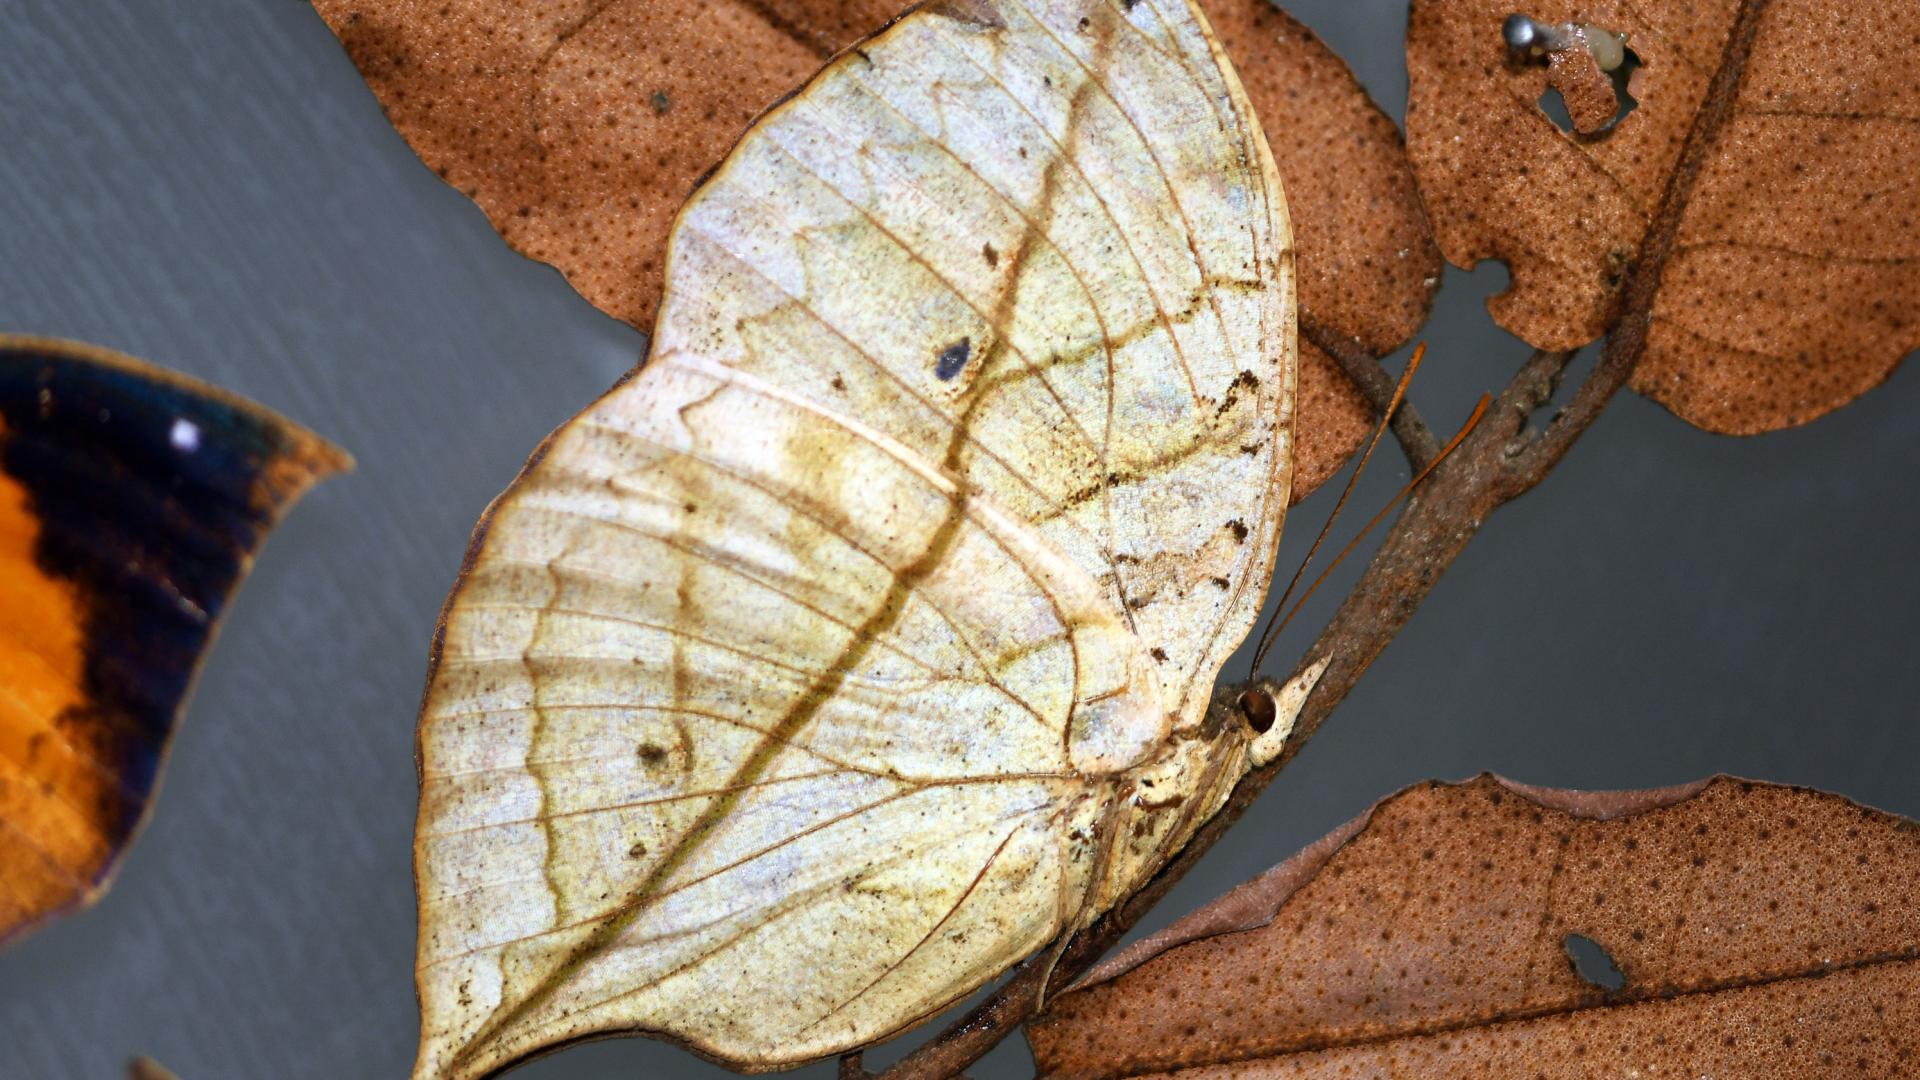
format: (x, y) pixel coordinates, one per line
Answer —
(754, 717)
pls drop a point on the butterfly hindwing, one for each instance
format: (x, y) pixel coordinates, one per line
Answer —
(727, 673)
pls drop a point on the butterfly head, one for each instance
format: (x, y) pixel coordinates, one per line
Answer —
(1263, 711)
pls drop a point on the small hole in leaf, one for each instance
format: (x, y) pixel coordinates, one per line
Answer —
(1622, 77)
(1593, 963)
(1555, 106)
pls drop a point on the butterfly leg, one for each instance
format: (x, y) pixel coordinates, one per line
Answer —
(1076, 912)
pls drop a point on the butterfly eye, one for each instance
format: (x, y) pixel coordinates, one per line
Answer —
(1257, 706)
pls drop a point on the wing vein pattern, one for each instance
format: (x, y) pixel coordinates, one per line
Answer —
(803, 682)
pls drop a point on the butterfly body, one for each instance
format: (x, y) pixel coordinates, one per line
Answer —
(863, 641)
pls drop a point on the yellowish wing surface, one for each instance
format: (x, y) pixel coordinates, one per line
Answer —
(1054, 227)
(778, 703)
(741, 707)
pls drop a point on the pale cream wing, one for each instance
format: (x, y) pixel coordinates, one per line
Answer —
(1053, 227)
(749, 727)
(774, 709)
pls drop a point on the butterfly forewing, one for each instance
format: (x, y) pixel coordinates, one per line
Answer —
(1082, 210)
(781, 698)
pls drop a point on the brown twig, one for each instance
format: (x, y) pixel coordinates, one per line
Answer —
(1501, 460)
(1415, 437)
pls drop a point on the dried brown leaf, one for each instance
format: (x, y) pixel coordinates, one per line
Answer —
(1368, 265)
(1761, 930)
(1793, 282)
(1585, 89)
(579, 128)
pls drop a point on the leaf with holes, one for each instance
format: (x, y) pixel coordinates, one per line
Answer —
(1789, 283)
(1724, 928)
(580, 128)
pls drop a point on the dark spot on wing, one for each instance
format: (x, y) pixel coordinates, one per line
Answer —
(1246, 380)
(651, 754)
(1159, 654)
(1239, 529)
(992, 256)
(952, 359)
(1221, 582)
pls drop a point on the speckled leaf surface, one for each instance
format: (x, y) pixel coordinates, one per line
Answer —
(1793, 282)
(579, 129)
(579, 126)
(1758, 930)
(1368, 264)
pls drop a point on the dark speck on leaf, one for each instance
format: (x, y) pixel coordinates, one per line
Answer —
(952, 359)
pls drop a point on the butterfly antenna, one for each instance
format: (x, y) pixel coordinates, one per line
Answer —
(1271, 631)
(1453, 444)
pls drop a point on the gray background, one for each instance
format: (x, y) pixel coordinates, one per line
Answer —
(208, 184)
